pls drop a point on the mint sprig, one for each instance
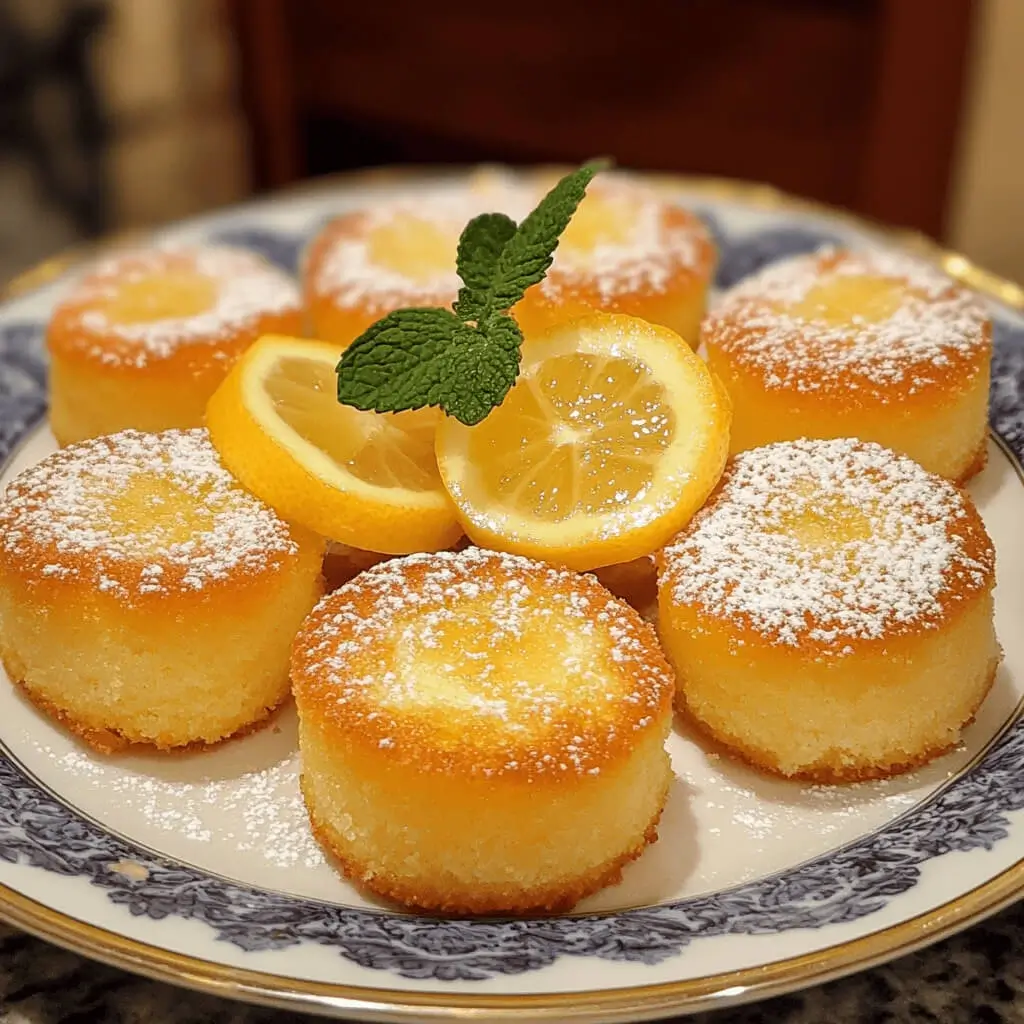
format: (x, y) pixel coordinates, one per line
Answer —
(466, 359)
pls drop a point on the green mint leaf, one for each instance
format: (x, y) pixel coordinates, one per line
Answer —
(480, 247)
(527, 255)
(400, 362)
(466, 360)
(483, 366)
(418, 357)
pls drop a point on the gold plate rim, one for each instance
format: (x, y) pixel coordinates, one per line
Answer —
(639, 1002)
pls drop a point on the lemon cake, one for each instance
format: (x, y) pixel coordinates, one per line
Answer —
(829, 612)
(395, 255)
(612, 437)
(872, 344)
(626, 250)
(145, 597)
(481, 733)
(143, 340)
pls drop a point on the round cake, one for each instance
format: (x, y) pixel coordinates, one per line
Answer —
(829, 612)
(397, 254)
(481, 733)
(145, 597)
(143, 340)
(626, 250)
(872, 344)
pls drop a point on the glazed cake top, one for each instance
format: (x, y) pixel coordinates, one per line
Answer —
(807, 324)
(179, 297)
(625, 237)
(137, 515)
(483, 663)
(819, 545)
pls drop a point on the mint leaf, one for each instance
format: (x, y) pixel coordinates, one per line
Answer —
(465, 360)
(418, 357)
(480, 247)
(483, 366)
(400, 362)
(526, 257)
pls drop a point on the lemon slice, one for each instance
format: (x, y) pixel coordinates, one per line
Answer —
(613, 436)
(369, 480)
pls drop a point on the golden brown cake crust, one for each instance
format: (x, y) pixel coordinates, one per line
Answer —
(831, 770)
(112, 741)
(555, 899)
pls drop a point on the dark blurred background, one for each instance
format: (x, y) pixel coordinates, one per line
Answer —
(123, 113)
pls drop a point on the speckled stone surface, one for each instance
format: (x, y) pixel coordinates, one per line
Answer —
(974, 978)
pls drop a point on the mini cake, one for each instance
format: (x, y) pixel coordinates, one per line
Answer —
(145, 597)
(626, 250)
(481, 733)
(829, 612)
(144, 339)
(398, 254)
(870, 344)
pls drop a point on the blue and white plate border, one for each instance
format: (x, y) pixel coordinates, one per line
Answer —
(37, 829)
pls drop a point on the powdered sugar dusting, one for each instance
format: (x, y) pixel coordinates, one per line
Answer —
(937, 326)
(828, 542)
(662, 241)
(246, 289)
(138, 514)
(345, 270)
(535, 668)
(656, 248)
(259, 812)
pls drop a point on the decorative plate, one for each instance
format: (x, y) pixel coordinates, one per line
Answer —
(200, 868)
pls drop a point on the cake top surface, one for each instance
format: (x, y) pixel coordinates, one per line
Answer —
(624, 237)
(485, 664)
(139, 515)
(819, 545)
(143, 306)
(871, 321)
(401, 252)
(628, 238)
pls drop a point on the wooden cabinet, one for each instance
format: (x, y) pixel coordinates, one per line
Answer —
(855, 102)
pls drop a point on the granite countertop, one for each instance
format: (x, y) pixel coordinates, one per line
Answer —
(974, 978)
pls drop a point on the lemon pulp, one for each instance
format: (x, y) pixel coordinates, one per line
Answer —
(583, 434)
(383, 449)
